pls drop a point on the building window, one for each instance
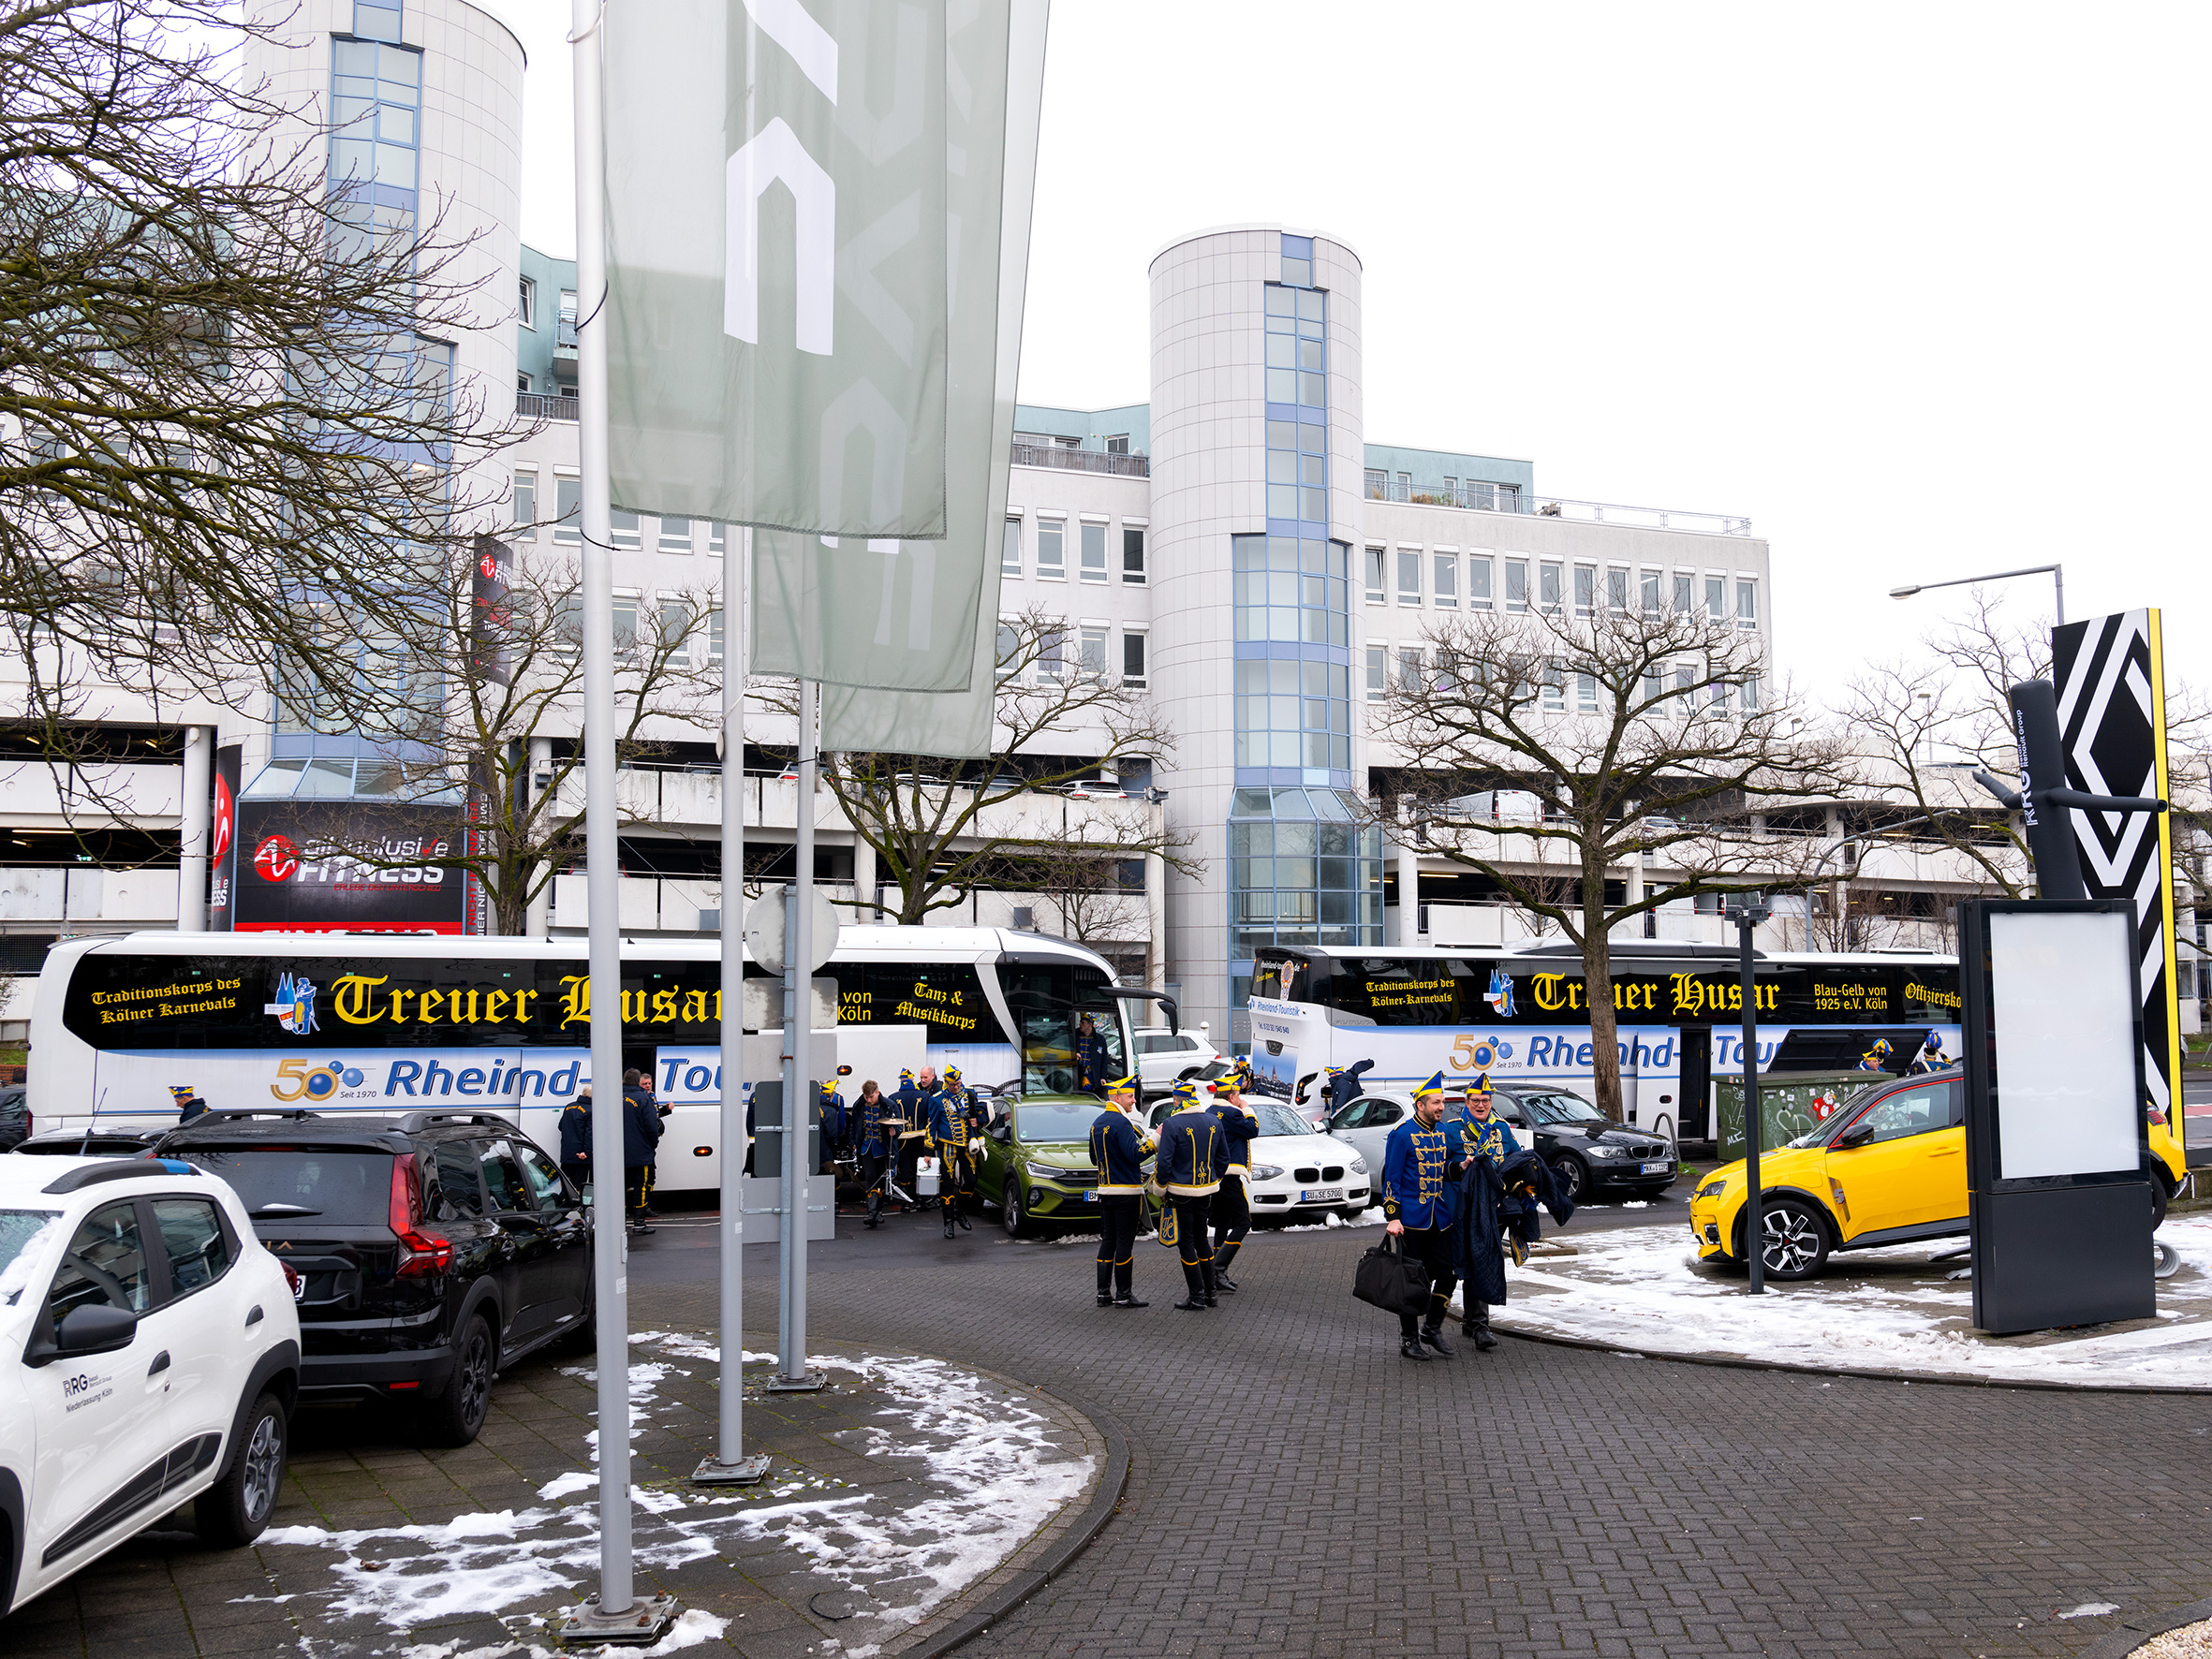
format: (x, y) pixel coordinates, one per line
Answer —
(1132, 660)
(1410, 667)
(1478, 583)
(1132, 556)
(1297, 471)
(1554, 686)
(522, 383)
(715, 635)
(1586, 590)
(1293, 715)
(1717, 599)
(1301, 870)
(1009, 648)
(1747, 603)
(1298, 261)
(565, 334)
(1051, 648)
(1118, 444)
(1009, 549)
(376, 105)
(1652, 595)
(1750, 694)
(1684, 593)
(377, 19)
(525, 500)
(716, 532)
(526, 304)
(1378, 674)
(626, 620)
(1291, 589)
(1548, 596)
(1094, 552)
(1616, 590)
(1586, 694)
(1445, 570)
(622, 531)
(1297, 347)
(1052, 556)
(1408, 580)
(1093, 659)
(1377, 484)
(1377, 568)
(567, 506)
(675, 627)
(1685, 676)
(1516, 585)
(675, 536)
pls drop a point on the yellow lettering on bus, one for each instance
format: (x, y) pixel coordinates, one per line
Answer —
(427, 1003)
(354, 995)
(664, 1007)
(576, 999)
(496, 1007)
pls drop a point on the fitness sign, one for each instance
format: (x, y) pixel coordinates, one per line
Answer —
(346, 867)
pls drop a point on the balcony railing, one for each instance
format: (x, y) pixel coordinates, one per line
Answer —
(1504, 498)
(1083, 461)
(539, 405)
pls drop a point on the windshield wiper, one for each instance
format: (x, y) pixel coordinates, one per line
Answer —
(275, 1210)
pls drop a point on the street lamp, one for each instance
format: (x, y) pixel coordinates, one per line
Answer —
(1748, 911)
(2055, 572)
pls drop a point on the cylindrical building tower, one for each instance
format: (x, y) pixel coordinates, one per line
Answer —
(1256, 459)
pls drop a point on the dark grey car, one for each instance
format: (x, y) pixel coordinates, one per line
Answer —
(1592, 1155)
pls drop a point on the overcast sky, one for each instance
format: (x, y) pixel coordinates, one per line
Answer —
(1920, 289)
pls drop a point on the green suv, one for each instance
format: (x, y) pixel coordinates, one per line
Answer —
(1037, 1163)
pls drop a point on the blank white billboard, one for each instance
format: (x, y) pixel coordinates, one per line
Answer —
(2062, 1008)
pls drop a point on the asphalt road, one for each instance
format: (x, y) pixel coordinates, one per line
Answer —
(1298, 1488)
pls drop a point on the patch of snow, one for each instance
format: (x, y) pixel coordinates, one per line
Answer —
(693, 1626)
(1641, 1288)
(2091, 1610)
(1367, 1218)
(1636, 1204)
(561, 1486)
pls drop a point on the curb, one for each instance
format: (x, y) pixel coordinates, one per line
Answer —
(1935, 1379)
(2117, 1644)
(1104, 1502)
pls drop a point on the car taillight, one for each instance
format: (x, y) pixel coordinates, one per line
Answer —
(293, 1282)
(420, 1252)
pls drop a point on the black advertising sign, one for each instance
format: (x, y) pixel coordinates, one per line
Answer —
(222, 856)
(488, 607)
(346, 867)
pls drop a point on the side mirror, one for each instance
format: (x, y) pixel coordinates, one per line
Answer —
(1859, 1134)
(95, 1328)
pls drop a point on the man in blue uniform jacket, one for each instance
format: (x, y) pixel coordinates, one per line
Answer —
(1090, 1058)
(1232, 1204)
(1117, 1152)
(1489, 1139)
(1421, 1163)
(1189, 1168)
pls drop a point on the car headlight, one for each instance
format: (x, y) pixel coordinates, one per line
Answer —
(1267, 1173)
(1359, 1164)
(1607, 1151)
(1713, 1189)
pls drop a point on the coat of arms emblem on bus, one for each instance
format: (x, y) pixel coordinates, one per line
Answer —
(1500, 994)
(294, 1007)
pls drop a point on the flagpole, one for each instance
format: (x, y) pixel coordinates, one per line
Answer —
(729, 1466)
(617, 1613)
(791, 1374)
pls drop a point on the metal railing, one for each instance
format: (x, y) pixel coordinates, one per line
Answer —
(1506, 498)
(1083, 461)
(565, 334)
(539, 405)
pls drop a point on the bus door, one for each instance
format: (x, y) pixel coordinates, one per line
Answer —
(1693, 1101)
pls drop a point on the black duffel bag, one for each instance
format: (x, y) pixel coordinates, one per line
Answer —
(1391, 1281)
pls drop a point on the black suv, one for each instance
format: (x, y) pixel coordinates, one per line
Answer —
(431, 1249)
(1592, 1155)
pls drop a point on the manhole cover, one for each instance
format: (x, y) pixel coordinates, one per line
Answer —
(838, 1604)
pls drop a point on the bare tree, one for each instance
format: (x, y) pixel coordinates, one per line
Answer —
(1638, 731)
(227, 394)
(942, 828)
(477, 681)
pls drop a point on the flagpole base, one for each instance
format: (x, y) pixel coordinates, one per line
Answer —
(809, 1382)
(649, 1619)
(745, 1472)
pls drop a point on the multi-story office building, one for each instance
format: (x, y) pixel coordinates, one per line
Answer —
(1236, 549)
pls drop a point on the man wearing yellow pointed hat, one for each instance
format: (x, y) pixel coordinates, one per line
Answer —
(1118, 1147)
(1421, 1163)
(1189, 1168)
(1232, 1204)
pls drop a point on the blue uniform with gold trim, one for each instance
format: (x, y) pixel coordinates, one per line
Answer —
(1417, 1167)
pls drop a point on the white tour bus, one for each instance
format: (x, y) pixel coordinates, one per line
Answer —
(1519, 1014)
(391, 1023)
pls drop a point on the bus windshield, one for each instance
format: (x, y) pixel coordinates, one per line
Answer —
(1050, 1002)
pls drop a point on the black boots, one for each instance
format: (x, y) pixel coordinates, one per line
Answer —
(960, 1215)
(1411, 1349)
(947, 1223)
(1208, 1279)
(1475, 1323)
(1105, 1284)
(1223, 1256)
(1432, 1335)
(1195, 1300)
(874, 1210)
(1126, 1300)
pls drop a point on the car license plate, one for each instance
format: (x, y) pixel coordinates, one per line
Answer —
(1320, 1195)
(299, 1288)
(1090, 1198)
(1659, 1169)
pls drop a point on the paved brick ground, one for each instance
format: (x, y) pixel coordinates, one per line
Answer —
(1297, 1488)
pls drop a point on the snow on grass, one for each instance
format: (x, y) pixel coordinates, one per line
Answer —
(990, 1474)
(1641, 1288)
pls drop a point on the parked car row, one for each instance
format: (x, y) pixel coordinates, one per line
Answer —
(166, 1300)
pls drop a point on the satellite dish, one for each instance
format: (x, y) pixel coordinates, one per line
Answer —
(765, 930)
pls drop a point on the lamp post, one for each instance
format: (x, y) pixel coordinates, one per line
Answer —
(1748, 911)
(2057, 573)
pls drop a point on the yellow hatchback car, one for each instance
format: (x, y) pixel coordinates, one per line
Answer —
(1890, 1168)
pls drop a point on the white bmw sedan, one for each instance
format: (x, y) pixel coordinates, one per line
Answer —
(149, 1353)
(1297, 1173)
